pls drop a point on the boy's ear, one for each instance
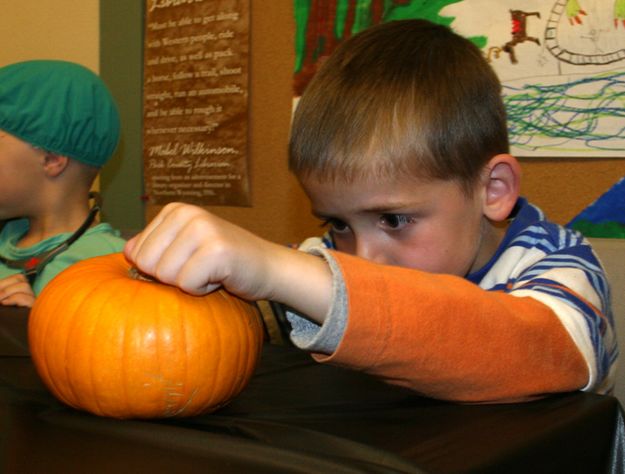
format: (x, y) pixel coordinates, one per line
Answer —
(54, 164)
(502, 186)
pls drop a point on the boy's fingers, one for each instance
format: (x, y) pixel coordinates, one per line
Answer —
(170, 260)
(136, 242)
(129, 246)
(184, 246)
(165, 243)
(140, 247)
(199, 274)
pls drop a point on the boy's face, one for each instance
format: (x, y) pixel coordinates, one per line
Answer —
(18, 164)
(427, 225)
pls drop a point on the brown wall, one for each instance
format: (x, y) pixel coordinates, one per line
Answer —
(564, 187)
(50, 29)
(280, 211)
(27, 26)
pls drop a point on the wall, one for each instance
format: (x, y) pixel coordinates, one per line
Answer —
(50, 29)
(564, 187)
(70, 29)
(121, 65)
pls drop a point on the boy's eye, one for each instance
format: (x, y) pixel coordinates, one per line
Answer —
(335, 225)
(395, 221)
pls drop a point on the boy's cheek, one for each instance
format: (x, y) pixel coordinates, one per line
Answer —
(343, 244)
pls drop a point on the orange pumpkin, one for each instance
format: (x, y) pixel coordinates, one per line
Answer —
(115, 345)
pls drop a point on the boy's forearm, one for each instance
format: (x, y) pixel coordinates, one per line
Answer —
(301, 281)
(446, 338)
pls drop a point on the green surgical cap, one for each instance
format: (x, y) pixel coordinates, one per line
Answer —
(61, 107)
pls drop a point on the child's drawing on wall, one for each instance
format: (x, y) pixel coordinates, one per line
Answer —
(561, 62)
(562, 65)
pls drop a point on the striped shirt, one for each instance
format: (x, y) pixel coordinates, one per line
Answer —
(558, 267)
(536, 258)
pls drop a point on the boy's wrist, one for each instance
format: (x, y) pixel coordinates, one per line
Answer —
(301, 281)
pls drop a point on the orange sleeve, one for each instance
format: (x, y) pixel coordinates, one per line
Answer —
(446, 338)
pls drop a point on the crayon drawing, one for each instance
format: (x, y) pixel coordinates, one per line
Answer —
(562, 66)
(561, 62)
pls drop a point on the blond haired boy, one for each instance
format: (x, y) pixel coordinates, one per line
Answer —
(434, 274)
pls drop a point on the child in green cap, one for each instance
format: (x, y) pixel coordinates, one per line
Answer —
(58, 126)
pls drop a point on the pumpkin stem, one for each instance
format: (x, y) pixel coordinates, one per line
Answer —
(137, 274)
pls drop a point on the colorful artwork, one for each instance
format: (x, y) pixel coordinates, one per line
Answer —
(322, 24)
(561, 62)
(562, 66)
(606, 216)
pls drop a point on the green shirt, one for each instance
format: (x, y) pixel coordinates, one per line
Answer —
(98, 240)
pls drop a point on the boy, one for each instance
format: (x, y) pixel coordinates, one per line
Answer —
(58, 126)
(434, 275)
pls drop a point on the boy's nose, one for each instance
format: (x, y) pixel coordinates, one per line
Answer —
(369, 251)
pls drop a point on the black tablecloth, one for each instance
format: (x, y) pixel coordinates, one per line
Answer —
(299, 416)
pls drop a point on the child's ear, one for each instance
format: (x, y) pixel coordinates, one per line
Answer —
(502, 186)
(54, 164)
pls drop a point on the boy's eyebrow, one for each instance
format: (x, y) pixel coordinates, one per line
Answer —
(320, 215)
(387, 208)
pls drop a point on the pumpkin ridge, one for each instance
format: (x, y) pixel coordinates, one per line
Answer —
(250, 337)
(136, 293)
(171, 403)
(67, 385)
(240, 356)
(203, 347)
(231, 339)
(219, 344)
(185, 349)
(67, 286)
(107, 273)
(239, 305)
(212, 349)
(152, 374)
(95, 334)
(249, 340)
(255, 334)
(242, 335)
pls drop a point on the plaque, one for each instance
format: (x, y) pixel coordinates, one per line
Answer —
(195, 102)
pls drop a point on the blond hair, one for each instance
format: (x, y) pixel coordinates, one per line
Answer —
(406, 96)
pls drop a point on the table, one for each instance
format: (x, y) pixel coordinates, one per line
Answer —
(300, 416)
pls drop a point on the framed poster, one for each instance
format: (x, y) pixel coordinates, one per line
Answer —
(195, 102)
